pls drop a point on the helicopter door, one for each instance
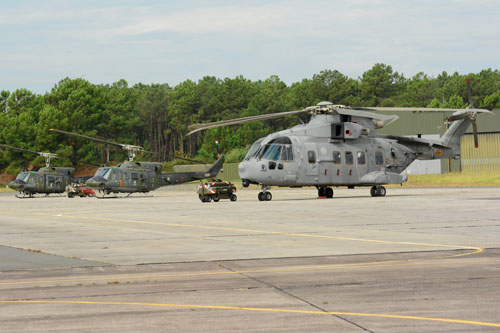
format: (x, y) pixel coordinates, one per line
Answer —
(311, 159)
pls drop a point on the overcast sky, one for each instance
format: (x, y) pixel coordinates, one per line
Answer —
(102, 41)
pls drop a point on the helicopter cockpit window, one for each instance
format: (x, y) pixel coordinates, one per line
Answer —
(272, 152)
(255, 147)
(379, 158)
(349, 158)
(337, 159)
(361, 157)
(106, 174)
(23, 176)
(311, 156)
(287, 153)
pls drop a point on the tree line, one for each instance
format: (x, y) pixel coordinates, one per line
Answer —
(156, 116)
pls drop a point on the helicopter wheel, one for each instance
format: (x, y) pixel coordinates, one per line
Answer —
(378, 191)
(268, 196)
(381, 191)
(321, 191)
(261, 196)
(329, 192)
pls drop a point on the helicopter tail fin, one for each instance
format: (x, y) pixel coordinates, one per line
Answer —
(451, 138)
(215, 168)
(461, 120)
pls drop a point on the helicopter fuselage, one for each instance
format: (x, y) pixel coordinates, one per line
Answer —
(46, 180)
(333, 150)
(134, 176)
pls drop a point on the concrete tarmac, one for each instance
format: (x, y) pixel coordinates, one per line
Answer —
(415, 260)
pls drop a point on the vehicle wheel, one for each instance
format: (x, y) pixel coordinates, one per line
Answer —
(233, 197)
(91, 195)
(216, 199)
(381, 191)
(329, 192)
(261, 196)
(208, 198)
(70, 195)
(373, 191)
(321, 192)
(268, 196)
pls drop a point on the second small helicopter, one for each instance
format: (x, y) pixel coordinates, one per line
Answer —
(138, 177)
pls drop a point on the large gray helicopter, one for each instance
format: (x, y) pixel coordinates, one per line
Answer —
(339, 146)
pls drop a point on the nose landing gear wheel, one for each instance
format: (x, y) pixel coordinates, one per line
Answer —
(329, 192)
(378, 191)
(265, 196)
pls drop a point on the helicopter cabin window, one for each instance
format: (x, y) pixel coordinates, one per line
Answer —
(135, 176)
(379, 158)
(349, 158)
(311, 156)
(51, 179)
(337, 159)
(361, 158)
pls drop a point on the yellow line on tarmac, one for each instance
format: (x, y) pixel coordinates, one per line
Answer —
(476, 249)
(218, 307)
(375, 264)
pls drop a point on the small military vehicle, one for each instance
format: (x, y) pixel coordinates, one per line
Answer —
(216, 190)
(75, 189)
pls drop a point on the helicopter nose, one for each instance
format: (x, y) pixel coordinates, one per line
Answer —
(16, 185)
(242, 169)
(95, 182)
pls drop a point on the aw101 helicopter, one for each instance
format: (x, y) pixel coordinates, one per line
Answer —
(133, 176)
(339, 146)
(46, 180)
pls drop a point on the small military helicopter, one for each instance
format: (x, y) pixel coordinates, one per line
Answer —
(339, 146)
(138, 177)
(46, 180)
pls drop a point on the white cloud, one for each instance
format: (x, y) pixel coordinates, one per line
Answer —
(293, 39)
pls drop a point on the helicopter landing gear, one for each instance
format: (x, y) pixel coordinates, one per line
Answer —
(378, 191)
(325, 192)
(265, 195)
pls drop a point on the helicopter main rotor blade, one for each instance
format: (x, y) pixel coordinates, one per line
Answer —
(474, 130)
(20, 149)
(105, 142)
(418, 109)
(469, 93)
(201, 127)
(86, 137)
